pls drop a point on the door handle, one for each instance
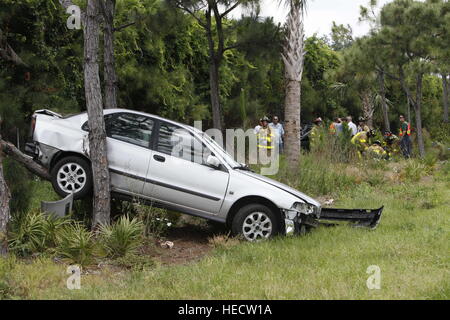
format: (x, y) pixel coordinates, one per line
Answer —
(159, 158)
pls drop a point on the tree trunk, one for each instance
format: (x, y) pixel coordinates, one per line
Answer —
(293, 58)
(417, 111)
(97, 133)
(384, 106)
(446, 94)
(109, 60)
(214, 66)
(5, 197)
(292, 122)
(215, 94)
(368, 107)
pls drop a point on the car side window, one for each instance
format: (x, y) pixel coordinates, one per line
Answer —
(178, 142)
(129, 127)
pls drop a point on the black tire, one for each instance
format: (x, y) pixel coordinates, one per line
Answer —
(249, 214)
(85, 185)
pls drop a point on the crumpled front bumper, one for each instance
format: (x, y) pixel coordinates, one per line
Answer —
(296, 222)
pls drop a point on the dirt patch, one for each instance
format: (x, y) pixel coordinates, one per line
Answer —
(190, 244)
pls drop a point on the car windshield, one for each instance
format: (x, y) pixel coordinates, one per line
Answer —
(225, 155)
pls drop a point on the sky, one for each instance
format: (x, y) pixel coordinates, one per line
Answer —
(321, 14)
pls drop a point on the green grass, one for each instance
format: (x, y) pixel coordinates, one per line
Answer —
(411, 246)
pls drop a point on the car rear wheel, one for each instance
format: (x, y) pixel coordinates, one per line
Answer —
(255, 222)
(72, 175)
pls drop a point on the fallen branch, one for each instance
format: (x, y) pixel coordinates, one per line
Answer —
(11, 151)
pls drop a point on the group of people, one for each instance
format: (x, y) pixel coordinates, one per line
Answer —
(270, 134)
(364, 137)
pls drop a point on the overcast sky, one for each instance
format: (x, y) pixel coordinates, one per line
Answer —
(321, 14)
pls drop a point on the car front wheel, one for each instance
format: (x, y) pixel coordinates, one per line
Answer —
(255, 222)
(72, 175)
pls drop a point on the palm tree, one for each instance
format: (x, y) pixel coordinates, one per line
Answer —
(293, 57)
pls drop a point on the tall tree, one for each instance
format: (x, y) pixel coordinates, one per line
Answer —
(406, 29)
(293, 57)
(211, 15)
(91, 20)
(94, 105)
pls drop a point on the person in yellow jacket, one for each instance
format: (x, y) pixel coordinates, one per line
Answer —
(376, 151)
(391, 144)
(316, 132)
(265, 136)
(362, 141)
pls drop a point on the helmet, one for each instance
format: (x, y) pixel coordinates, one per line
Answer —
(361, 119)
(388, 133)
(371, 133)
(378, 142)
(265, 119)
(319, 119)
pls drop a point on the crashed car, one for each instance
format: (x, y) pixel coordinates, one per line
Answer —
(205, 181)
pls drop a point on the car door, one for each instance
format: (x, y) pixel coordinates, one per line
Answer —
(128, 141)
(179, 175)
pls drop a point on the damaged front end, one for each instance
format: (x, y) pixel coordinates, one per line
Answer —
(303, 216)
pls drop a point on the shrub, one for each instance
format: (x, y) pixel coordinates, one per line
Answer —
(33, 233)
(76, 244)
(122, 237)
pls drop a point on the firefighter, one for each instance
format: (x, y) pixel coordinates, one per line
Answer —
(391, 142)
(362, 141)
(376, 151)
(316, 132)
(405, 137)
(362, 126)
(265, 136)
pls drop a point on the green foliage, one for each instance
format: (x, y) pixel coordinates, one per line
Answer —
(20, 185)
(33, 232)
(75, 244)
(122, 237)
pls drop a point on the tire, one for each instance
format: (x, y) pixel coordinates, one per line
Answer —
(72, 174)
(256, 222)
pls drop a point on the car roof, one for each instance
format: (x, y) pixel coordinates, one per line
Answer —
(120, 110)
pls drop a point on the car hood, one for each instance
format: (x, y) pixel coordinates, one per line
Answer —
(283, 187)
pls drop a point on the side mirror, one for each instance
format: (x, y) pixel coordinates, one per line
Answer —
(212, 161)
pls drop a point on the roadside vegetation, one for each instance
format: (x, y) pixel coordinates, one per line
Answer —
(410, 245)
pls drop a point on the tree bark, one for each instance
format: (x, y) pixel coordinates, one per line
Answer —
(292, 122)
(110, 77)
(214, 75)
(418, 112)
(446, 93)
(384, 106)
(368, 107)
(5, 197)
(97, 133)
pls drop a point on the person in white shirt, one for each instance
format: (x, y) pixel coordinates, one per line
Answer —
(279, 131)
(258, 127)
(352, 126)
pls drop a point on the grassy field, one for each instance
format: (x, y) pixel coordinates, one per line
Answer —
(411, 247)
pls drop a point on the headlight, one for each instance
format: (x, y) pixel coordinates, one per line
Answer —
(305, 208)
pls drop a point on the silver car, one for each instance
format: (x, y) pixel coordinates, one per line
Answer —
(144, 164)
